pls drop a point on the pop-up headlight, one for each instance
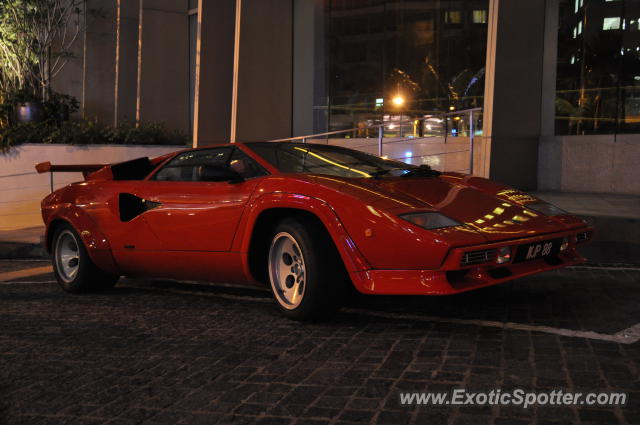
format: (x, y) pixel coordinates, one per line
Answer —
(430, 220)
(545, 208)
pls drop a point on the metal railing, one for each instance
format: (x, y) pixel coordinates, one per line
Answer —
(381, 132)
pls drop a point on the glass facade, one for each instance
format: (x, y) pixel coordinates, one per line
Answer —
(396, 60)
(598, 74)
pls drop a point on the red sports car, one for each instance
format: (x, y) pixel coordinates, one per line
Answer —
(307, 219)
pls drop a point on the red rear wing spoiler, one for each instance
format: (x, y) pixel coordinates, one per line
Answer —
(85, 169)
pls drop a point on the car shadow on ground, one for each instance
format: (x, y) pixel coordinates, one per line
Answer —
(569, 299)
(605, 302)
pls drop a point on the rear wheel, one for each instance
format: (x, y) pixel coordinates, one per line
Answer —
(305, 271)
(72, 266)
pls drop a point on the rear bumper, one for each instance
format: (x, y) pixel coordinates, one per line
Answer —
(453, 278)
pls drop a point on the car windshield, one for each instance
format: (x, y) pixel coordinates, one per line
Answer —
(289, 157)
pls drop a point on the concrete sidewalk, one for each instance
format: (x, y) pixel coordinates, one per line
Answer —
(615, 217)
(22, 243)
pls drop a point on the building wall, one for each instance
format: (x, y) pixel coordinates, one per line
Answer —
(163, 67)
(265, 70)
(131, 64)
(513, 90)
(598, 163)
(22, 189)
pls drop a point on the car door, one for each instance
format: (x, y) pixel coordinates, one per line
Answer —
(191, 213)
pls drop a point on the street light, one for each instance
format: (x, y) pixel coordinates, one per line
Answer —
(398, 100)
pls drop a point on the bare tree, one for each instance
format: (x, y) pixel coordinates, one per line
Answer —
(44, 32)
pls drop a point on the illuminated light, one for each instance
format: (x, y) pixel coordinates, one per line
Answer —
(565, 244)
(509, 222)
(489, 216)
(499, 225)
(373, 211)
(519, 218)
(327, 160)
(451, 108)
(408, 154)
(379, 102)
(384, 157)
(530, 213)
(456, 119)
(498, 210)
(358, 187)
(611, 23)
(479, 221)
(398, 100)
(392, 126)
(506, 204)
(428, 126)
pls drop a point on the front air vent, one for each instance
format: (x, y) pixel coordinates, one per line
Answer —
(478, 257)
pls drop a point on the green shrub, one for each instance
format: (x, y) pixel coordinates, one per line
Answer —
(87, 133)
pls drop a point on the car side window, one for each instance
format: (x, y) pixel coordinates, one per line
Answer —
(245, 166)
(191, 166)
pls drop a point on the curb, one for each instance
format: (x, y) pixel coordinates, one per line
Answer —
(21, 250)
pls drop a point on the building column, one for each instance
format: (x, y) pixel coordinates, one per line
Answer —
(308, 66)
(99, 61)
(214, 72)
(264, 96)
(513, 90)
(550, 152)
(163, 63)
(126, 81)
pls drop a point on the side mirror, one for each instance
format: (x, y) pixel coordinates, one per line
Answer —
(215, 173)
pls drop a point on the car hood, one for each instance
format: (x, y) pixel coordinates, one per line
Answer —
(496, 217)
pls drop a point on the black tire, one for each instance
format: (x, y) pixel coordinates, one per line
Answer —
(72, 266)
(323, 276)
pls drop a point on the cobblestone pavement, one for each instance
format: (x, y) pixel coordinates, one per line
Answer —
(157, 352)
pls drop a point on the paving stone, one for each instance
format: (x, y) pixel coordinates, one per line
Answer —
(159, 352)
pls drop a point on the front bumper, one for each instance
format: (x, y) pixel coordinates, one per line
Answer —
(452, 277)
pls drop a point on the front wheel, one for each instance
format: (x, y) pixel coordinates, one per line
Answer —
(72, 266)
(305, 271)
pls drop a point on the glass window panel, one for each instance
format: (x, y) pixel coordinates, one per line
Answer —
(597, 92)
(611, 23)
(479, 16)
(452, 17)
(430, 54)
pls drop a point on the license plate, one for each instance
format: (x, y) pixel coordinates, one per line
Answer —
(537, 250)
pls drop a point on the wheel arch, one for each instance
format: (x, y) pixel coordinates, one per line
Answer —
(270, 209)
(94, 240)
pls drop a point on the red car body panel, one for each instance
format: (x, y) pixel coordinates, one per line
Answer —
(203, 230)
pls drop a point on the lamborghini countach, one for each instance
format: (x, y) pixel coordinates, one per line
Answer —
(311, 221)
